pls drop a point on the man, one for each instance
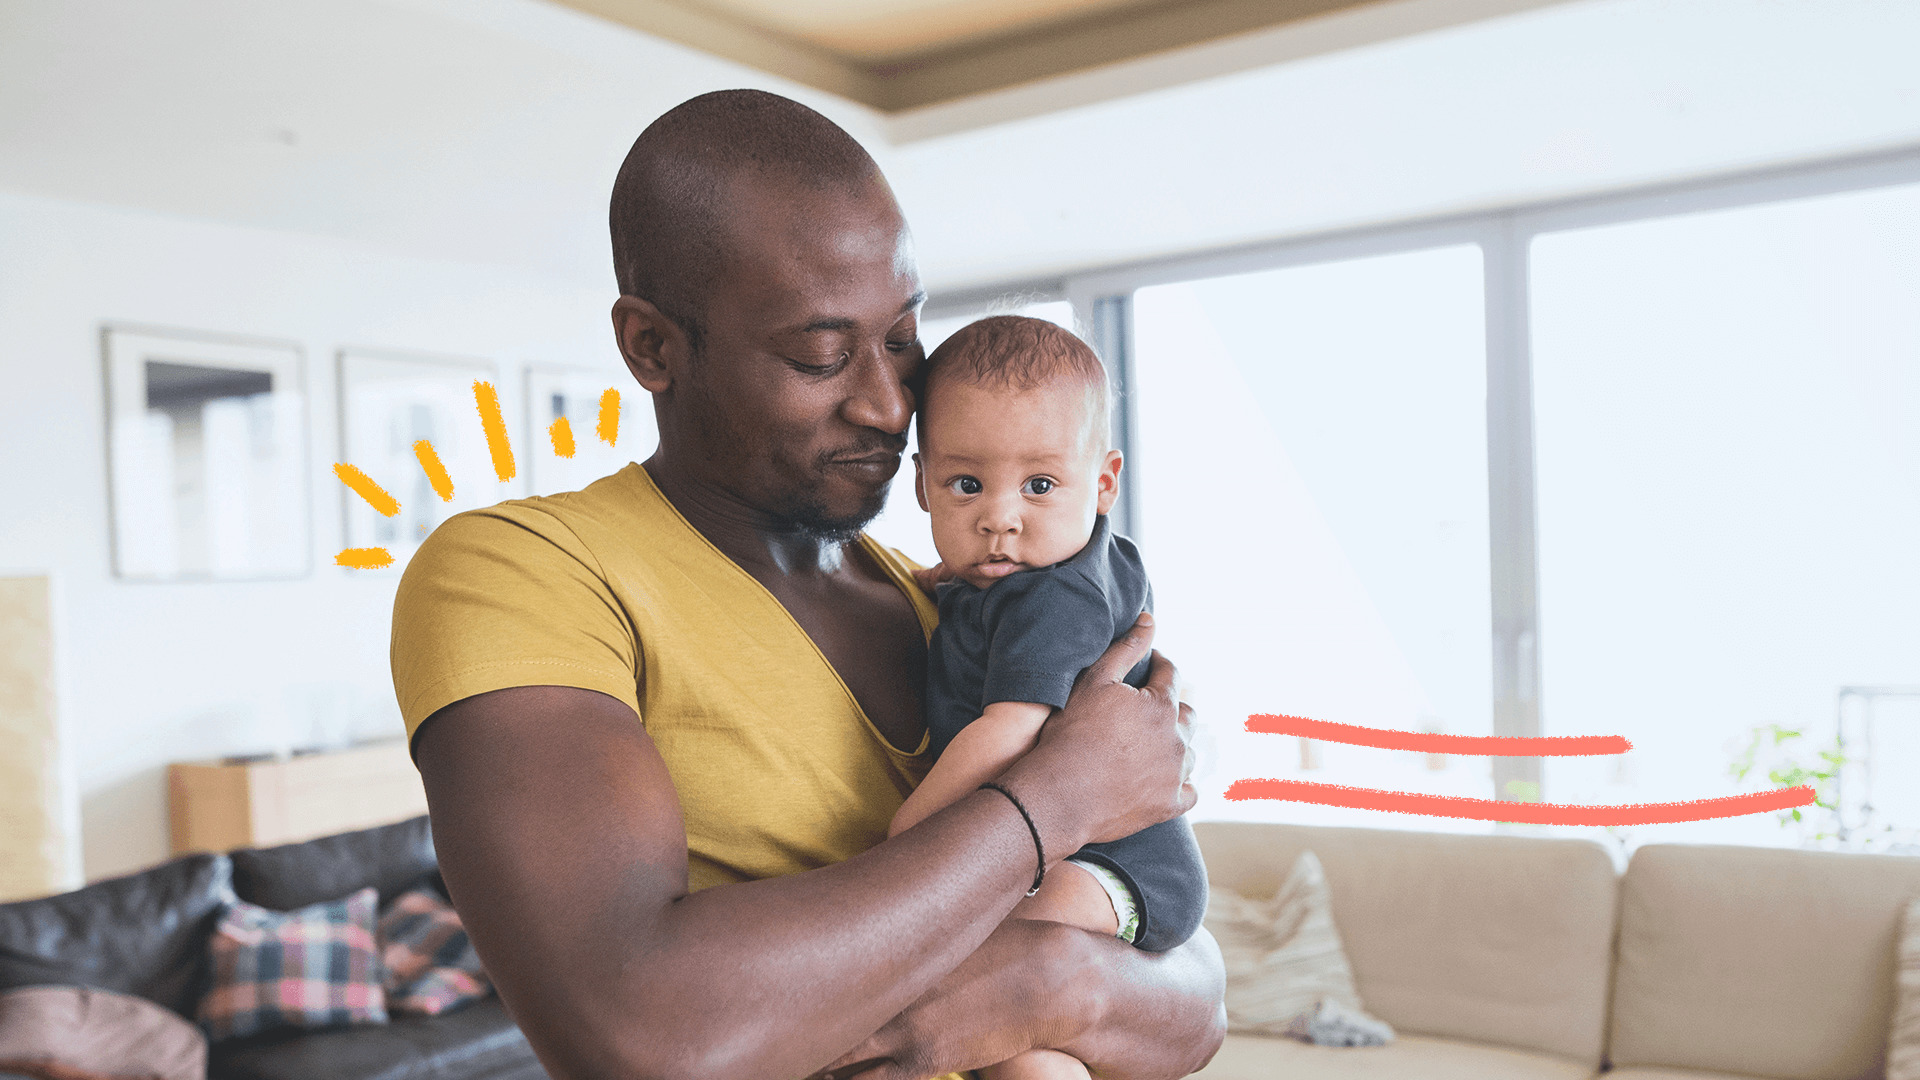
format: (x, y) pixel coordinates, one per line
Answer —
(663, 722)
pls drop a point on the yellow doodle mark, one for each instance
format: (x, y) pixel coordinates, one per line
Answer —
(609, 427)
(495, 426)
(363, 486)
(364, 558)
(436, 472)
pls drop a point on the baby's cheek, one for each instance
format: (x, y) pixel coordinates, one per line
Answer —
(952, 538)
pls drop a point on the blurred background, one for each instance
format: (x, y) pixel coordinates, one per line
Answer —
(1507, 367)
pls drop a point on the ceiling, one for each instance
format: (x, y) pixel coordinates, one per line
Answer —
(896, 55)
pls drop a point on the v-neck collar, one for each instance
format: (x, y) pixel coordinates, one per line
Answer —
(901, 580)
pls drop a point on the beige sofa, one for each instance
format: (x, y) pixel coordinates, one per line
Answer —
(1516, 958)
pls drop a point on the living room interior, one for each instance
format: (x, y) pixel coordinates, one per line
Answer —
(1506, 369)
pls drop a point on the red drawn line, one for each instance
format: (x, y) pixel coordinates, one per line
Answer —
(1452, 806)
(1488, 745)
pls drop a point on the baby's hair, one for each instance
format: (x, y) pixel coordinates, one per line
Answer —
(1015, 352)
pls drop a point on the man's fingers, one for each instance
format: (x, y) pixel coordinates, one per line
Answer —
(1120, 656)
(1162, 677)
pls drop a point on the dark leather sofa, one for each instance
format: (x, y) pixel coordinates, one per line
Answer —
(146, 934)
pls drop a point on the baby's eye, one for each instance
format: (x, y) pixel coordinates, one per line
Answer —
(965, 485)
(1039, 485)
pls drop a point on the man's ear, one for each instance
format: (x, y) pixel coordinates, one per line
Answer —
(1108, 482)
(920, 484)
(653, 345)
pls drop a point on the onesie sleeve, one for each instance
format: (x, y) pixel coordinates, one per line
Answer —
(506, 597)
(1161, 867)
(1043, 630)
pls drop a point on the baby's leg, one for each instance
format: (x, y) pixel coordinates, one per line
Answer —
(1038, 1065)
(1069, 895)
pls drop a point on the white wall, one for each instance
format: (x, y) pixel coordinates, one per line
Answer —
(423, 175)
(151, 673)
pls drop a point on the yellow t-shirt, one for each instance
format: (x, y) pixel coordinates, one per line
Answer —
(777, 767)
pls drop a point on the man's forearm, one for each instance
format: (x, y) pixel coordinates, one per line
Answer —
(812, 960)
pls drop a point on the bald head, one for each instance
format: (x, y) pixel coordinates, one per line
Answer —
(670, 212)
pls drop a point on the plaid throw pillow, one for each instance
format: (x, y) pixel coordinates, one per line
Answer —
(431, 965)
(312, 968)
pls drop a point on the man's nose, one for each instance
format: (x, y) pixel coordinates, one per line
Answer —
(878, 398)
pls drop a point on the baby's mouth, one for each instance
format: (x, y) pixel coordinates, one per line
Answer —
(995, 566)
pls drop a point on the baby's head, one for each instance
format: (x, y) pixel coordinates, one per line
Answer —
(1016, 458)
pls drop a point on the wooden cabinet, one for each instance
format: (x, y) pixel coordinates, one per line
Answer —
(218, 806)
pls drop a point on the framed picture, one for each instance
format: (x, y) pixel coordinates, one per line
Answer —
(391, 406)
(207, 456)
(567, 410)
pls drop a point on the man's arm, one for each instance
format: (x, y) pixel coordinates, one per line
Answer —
(560, 837)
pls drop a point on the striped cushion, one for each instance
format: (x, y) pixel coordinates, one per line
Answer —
(1286, 965)
(431, 965)
(312, 968)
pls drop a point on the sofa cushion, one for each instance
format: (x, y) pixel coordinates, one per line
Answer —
(1494, 939)
(391, 858)
(144, 934)
(1637, 1073)
(431, 965)
(1758, 961)
(1410, 1057)
(480, 1043)
(317, 967)
(1903, 1039)
(98, 1031)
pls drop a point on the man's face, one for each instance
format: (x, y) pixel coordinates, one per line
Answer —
(1013, 478)
(799, 396)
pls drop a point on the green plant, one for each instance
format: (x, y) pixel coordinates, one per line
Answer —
(1520, 791)
(1777, 752)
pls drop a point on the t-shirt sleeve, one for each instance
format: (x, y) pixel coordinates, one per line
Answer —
(1041, 635)
(505, 597)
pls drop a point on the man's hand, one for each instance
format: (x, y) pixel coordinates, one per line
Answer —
(1130, 1015)
(1121, 753)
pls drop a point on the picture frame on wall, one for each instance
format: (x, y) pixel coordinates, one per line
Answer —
(208, 476)
(576, 394)
(390, 403)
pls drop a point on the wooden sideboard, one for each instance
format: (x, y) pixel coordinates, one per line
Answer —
(218, 806)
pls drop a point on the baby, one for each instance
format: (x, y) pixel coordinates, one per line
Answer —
(1017, 469)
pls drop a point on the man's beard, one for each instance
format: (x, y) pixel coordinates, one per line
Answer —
(802, 511)
(808, 517)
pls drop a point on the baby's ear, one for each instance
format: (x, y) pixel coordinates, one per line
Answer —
(920, 484)
(1108, 482)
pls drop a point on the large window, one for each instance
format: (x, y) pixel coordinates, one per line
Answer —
(1645, 465)
(1728, 441)
(1313, 509)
